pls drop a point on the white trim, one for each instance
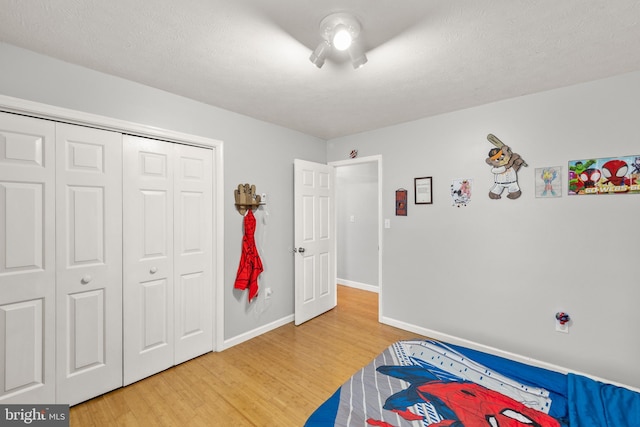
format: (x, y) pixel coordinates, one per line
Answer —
(59, 114)
(378, 160)
(218, 227)
(246, 336)
(358, 285)
(451, 339)
(50, 112)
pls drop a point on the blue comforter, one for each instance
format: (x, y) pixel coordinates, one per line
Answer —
(592, 403)
(409, 382)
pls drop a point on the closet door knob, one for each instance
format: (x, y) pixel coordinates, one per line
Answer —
(86, 279)
(153, 270)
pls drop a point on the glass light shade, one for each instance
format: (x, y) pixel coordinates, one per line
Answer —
(318, 56)
(357, 55)
(342, 37)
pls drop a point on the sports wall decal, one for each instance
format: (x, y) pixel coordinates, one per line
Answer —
(504, 166)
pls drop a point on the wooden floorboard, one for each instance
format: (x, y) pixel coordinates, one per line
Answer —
(277, 379)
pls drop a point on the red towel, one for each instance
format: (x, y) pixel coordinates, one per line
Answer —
(250, 264)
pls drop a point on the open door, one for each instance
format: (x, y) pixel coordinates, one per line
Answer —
(314, 235)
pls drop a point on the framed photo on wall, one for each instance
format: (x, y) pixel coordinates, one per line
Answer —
(423, 191)
(549, 181)
(401, 202)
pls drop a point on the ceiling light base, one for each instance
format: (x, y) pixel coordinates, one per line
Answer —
(330, 22)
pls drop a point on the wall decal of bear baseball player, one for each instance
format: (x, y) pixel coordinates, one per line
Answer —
(504, 166)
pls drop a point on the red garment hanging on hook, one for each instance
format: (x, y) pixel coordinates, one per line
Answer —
(250, 264)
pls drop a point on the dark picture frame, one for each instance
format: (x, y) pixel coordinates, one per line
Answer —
(423, 190)
(401, 202)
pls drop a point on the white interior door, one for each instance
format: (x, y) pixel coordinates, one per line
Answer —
(27, 260)
(193, 251)
(148, 257)
(315, 271)
(89, 262)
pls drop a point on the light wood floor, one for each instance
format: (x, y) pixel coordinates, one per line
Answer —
(277, 379)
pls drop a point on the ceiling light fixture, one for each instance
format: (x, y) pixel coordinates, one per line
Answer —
(340, 31)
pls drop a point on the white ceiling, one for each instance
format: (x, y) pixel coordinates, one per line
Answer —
(426, 57)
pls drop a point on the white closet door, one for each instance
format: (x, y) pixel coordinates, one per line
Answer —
(148, 257)
(89, 262)
(27, 260)
(193, 228)
(168, 255)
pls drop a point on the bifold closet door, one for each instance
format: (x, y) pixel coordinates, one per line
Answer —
(193, 251)
(148, 257)
(168, 304)
(27, 260)
(89, 262)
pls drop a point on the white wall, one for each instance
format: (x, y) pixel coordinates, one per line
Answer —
(357, 223)
(496, 272)
(254, 152)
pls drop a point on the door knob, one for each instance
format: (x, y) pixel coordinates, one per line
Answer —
(86, 279)
(301, 250)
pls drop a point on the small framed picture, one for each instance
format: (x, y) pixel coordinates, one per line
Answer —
(423, 192)
(401, 202)
(549, 181)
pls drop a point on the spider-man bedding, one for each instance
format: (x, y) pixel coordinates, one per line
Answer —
(429, 383)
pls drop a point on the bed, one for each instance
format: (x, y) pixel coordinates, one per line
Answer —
(431, 383)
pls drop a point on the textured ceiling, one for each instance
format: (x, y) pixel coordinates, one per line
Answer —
(426, 57)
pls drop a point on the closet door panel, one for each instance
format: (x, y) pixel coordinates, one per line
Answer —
(148, 257)
(193, 252)
(154, 311)
(23, 226)
(85, 225)
(27, 260)
(89, 263)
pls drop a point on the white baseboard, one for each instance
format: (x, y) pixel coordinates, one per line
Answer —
(358, 285)
(492, 350)
(255, 332)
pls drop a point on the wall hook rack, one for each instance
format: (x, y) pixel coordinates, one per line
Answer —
(246, 198)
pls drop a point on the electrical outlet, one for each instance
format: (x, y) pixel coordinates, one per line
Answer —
(562, 328)
(267, 293)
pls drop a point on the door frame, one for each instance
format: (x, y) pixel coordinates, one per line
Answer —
(378, 160)
(10, 104)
